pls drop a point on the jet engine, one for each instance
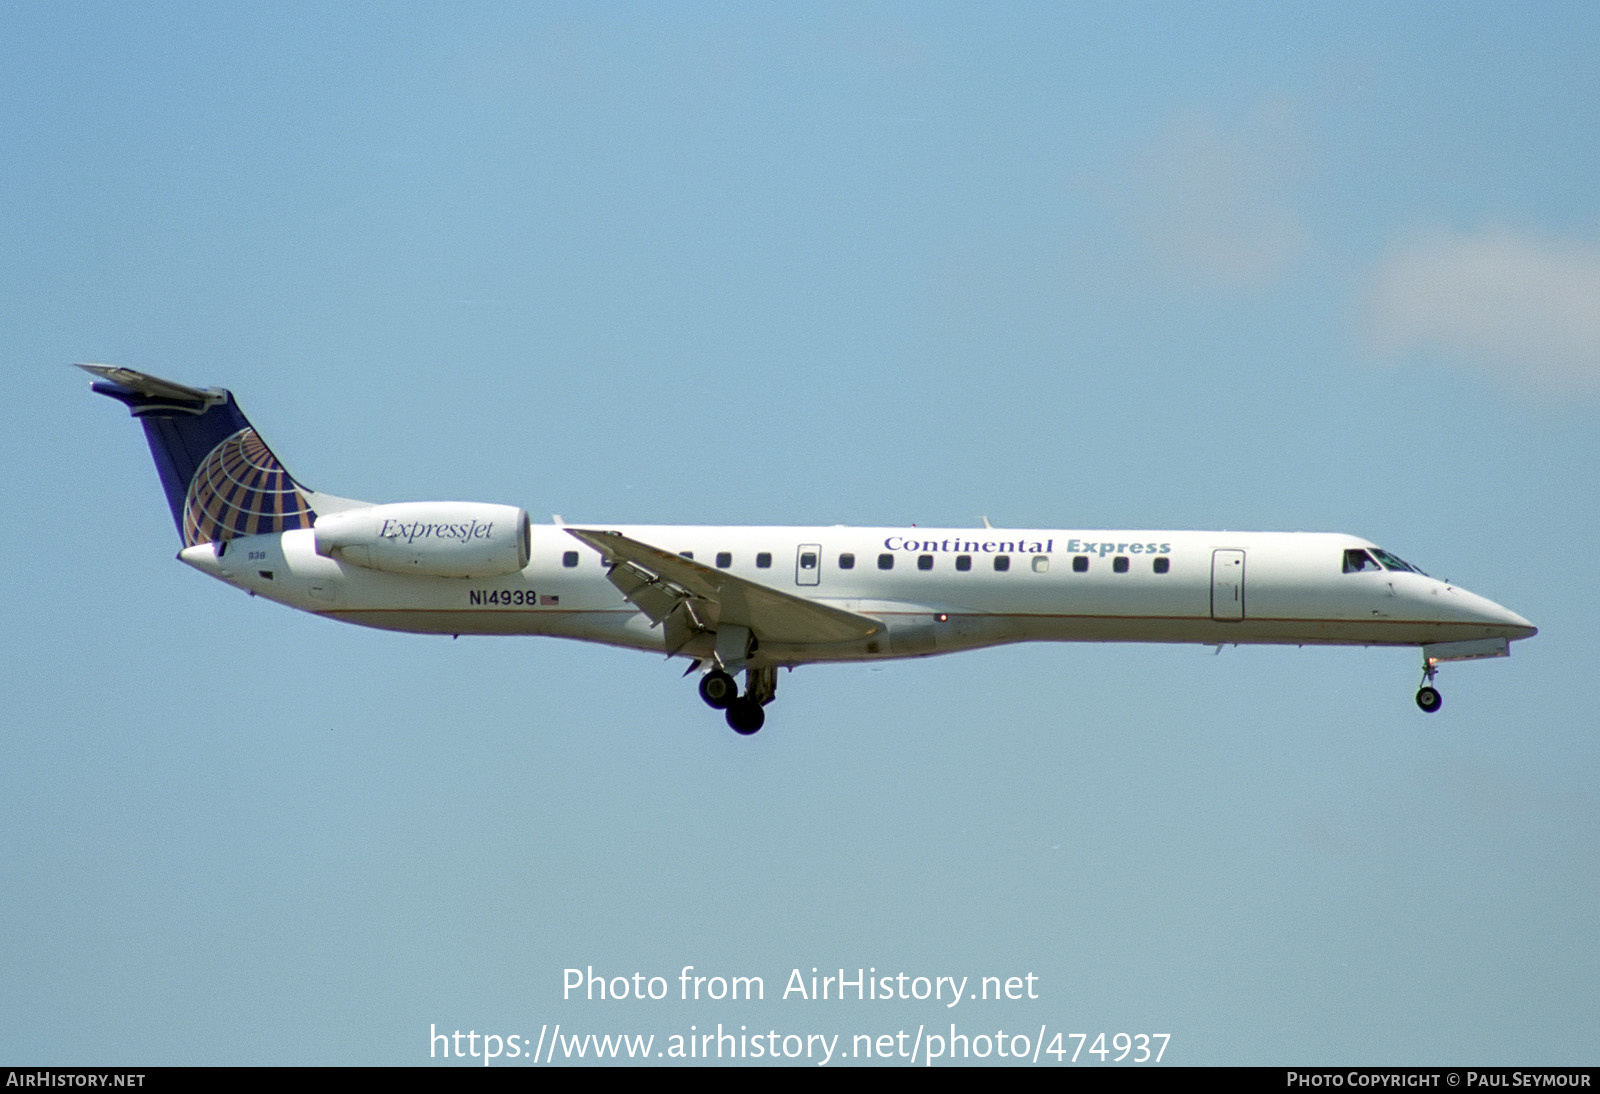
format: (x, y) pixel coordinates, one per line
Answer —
(432, 538)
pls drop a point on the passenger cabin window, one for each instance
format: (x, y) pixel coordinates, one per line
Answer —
(688, 555)
(847, 561)
(1002, 563)
(1162, 565)
(1080, 564)
(1358, 561)
(570, 559)
(808, 560)
(1119, 565)
(924, 562)
(764, 560)
(963, 563)
(885, 562)
(1041, 563)
(724, 559)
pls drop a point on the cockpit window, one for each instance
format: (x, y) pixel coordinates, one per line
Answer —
(1358, 561)
(1394, 562)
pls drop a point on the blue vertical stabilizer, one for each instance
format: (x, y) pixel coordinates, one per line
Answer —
(221, 479)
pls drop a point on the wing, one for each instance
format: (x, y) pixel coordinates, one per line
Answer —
(690, 599)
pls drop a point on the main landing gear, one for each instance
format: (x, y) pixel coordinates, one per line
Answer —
(743, 712)
(718, 689)
(1428, 697)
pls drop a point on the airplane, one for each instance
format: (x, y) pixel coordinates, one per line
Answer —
(757, 599)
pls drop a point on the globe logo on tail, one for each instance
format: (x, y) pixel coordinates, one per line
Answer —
(242, 490)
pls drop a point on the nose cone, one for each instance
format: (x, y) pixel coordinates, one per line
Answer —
(1516, 626)
(1501, 621)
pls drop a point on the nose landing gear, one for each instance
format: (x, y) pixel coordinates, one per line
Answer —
(1428, 697)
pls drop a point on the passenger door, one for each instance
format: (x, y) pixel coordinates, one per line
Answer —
(1227, 585)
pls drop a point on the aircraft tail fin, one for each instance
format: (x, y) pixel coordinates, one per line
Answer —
(220, 478)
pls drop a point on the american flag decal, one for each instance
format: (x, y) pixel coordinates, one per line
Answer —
(546, 600)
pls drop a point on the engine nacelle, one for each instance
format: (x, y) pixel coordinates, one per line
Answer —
(433, 538)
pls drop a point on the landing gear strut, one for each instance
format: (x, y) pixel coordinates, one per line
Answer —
(1428, 697)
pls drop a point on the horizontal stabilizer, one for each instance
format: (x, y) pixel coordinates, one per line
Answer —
(153, 387)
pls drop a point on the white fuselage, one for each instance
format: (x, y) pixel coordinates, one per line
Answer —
(940, 592)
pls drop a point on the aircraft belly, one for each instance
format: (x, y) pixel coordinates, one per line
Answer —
(925, 635)
(616, 627)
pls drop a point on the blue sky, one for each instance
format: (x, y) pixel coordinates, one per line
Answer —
(1253, 267)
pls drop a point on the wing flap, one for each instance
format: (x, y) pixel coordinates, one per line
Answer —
(692, 598)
